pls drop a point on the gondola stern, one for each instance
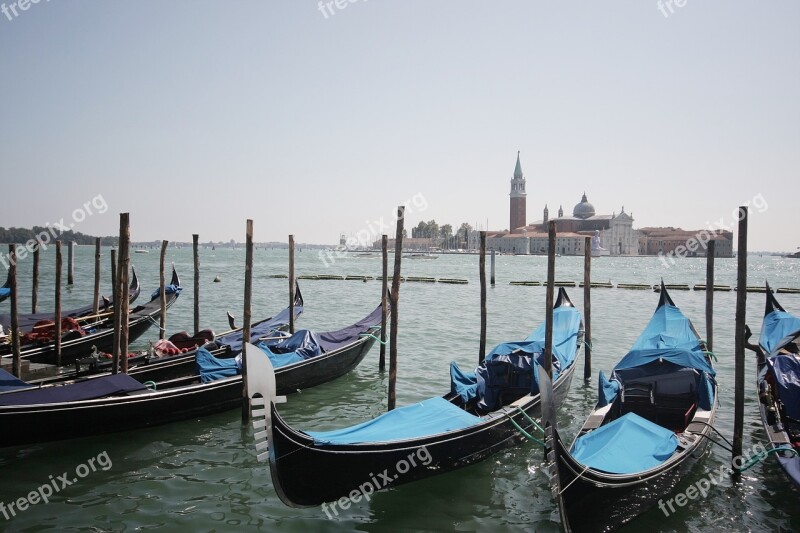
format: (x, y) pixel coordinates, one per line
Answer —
(772, 304)
(176, 280)
(562, 300)
(665, 298)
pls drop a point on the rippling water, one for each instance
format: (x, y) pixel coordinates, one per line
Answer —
(202, 474)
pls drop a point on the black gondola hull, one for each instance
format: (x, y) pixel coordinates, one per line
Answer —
(376, 466)
(48, 422)
(592, 501)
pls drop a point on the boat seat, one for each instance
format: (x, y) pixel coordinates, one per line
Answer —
(668, 399)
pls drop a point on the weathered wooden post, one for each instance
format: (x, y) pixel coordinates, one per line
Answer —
(587, 308)
(71, 263)
(35, 283)
(196, 255)
(122, 286)
(16, 361)
(116, 309)
(547, 360)
(384, 306)
(711, 251)
(96, 300)
(491, 277)
(291, 284)
(57, 317)
(398, 253)
(162, 323)
(248, 293)
(482, 277)
(741, 308)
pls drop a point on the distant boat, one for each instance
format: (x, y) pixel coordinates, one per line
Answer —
(365, 254)
(142, 251)
(420, 255)
(795, 255)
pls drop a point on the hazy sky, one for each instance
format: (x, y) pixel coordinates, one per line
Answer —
(194, 115)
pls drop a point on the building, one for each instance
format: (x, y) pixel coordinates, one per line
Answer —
(518, 218)
(686, 243)
(615, 230)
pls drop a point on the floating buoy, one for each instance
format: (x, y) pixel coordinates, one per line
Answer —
(217, 279)
(526, 283)
(453, 281)
(423, 279)
(598, 285)
(788, 290)
(565, 284)
(702, 287)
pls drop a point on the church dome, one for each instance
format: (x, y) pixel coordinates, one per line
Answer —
(583, 209)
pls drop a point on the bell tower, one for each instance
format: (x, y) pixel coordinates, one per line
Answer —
(518, 217)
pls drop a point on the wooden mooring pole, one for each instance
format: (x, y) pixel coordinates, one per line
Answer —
(196, 256)
(710, 252)
(384, 301)
(291, 284)
(16, 361)
(248, 294)
(491, 276)
(587, 309)
(35, 279)
(482, 277)
(398, 253)
(547, 360)
(115, 302)
(741, 307)
(96, 296)
(122, 286)
(162, 323)
(57, 317)
(71, 263)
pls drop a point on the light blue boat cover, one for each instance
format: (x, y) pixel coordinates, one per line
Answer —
(671, 337)
(4, 292)
(429, 417)
(212, 368)
(627, 445)
(168, 289)
(778, 329)
(566, 325)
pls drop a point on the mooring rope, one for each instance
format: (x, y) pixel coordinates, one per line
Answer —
(373, 337)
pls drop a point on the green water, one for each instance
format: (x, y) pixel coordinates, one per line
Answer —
(201, 475)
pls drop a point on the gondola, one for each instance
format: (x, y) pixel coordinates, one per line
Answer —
(27, 322)
(78, 341)
(160, 363)
(5, 290)
(477, 418)
(778, 384)
(110, 403)
(649, 427)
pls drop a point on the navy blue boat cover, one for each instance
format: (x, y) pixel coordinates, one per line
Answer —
(627, 445)
(668, 337)
(786, 370)
(508, 366)
(332, 340)
(89, 389)
(168, 289)
(429, 417)
(778, 329)
(265, 328)
(9, 381)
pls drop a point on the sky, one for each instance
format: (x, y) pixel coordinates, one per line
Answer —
(317, 120)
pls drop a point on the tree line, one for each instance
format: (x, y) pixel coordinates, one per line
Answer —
(23, 235)
(443, 234)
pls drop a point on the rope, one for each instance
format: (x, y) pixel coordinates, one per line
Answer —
(373, 337)
(762, 455)
(730, 445)
(526, 434)
(531, 420)
(573, 481)
(712, 354)
(148, 383)
(156, 324)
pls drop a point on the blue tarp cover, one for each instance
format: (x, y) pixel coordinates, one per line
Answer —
(168, 289)
(4, 291)
(608, 390)
(83, 390)
(10, 382)
(786, 369)
(671, 337)
(211, 368)
(566, 324)
(304, 344)
(265, 328)
(778, 329)
(429, 417)
(627, 445)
